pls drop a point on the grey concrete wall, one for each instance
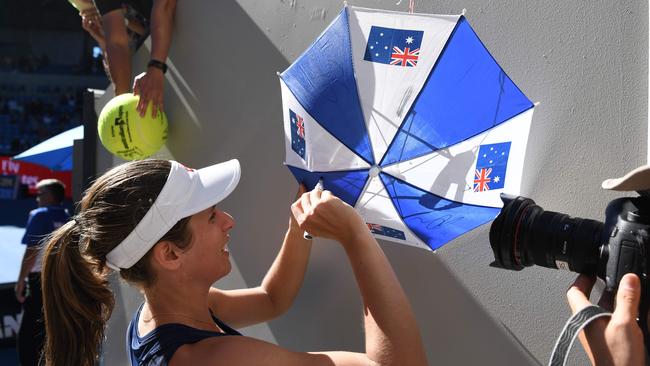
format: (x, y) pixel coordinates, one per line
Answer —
(584, 61)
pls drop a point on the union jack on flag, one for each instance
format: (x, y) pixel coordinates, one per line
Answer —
(297, 134)
(481, 179)
(404, 58)
(300, 126)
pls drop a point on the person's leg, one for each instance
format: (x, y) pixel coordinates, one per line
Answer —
(31, 335)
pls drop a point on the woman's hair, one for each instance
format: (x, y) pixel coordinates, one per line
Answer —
(77, 299)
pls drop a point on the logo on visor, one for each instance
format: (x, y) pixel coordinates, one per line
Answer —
(186, 168)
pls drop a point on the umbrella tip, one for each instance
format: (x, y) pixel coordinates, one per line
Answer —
(536, 104)
(463, 12)
(345, 3)
(277, 73)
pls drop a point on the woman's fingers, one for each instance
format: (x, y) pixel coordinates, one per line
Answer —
(315, 195)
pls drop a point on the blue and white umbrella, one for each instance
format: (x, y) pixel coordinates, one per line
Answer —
(408, 118)
(54, 153)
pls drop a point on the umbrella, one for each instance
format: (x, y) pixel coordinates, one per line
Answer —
(408, 118)
(55, 152)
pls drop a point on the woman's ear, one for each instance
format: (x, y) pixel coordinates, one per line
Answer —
(167, 255)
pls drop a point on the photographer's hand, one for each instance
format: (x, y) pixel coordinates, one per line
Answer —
(615, 341)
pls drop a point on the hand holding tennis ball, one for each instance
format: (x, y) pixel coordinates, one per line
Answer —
(124, 133)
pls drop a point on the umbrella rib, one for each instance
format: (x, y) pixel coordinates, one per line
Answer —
(379, 129)
(372, 196)
(408, 133)
(398, 210)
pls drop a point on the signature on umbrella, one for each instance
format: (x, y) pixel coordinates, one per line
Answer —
(440, 220)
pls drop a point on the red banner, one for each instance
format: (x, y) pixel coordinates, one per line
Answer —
(30, 174)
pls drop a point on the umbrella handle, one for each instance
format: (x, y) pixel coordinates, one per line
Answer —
(319, 186)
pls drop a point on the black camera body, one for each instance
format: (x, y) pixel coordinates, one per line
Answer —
(628, 240)
(524, 234)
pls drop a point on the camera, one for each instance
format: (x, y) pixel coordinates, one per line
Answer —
(523, 234)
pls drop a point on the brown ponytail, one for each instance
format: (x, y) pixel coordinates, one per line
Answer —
(77, 299)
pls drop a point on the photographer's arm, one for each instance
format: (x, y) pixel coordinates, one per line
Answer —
(616, 341)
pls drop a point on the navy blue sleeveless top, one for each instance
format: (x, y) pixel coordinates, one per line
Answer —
(157, 347)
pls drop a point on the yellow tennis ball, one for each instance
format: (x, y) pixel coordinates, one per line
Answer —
(124, 133)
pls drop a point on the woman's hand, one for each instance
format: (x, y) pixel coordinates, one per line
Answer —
(322, 214)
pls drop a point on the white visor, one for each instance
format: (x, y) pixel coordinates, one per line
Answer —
(186, 192)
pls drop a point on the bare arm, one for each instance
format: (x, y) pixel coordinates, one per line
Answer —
(235, 350)
(278, 290)
(392, 335)
(150, 84)
(162, 17)
(29, 258)
(118, 54)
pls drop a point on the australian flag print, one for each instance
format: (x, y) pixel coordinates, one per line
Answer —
(297, 134)
(386, 231)
(399, 47)
(491, 165)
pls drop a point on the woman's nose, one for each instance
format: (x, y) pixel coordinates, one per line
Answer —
(229, 221)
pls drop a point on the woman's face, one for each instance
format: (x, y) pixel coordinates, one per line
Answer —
(208, 257)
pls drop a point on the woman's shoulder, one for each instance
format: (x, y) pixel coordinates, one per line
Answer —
(210, 350)
(236, 350)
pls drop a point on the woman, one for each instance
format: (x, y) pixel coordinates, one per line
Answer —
(155, 221)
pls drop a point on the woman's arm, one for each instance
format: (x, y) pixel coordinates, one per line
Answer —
(279, 287)
(391, 332)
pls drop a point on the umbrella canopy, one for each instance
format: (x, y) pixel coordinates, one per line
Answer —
(55, 152)
(408, 118)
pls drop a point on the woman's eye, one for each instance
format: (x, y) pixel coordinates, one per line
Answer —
(213, 216)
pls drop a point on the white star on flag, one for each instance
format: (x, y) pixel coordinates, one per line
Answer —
(497, 179)
(409, 40)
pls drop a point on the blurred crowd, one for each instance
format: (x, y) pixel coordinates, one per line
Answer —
(26, 121)
(24, 63)
(31, 63)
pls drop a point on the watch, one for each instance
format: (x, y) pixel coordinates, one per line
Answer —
(158, 64)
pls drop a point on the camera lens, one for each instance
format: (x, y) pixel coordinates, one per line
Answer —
(524, 234)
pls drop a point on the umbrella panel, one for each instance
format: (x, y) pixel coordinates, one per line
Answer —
(467, 93)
